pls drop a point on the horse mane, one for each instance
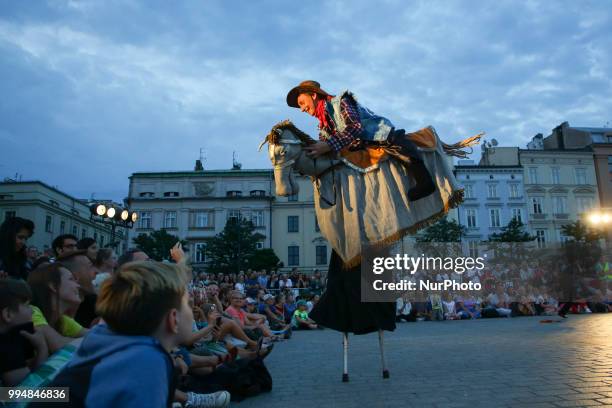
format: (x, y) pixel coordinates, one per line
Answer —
(276, 131)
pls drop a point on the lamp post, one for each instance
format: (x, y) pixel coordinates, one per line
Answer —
(114, 216)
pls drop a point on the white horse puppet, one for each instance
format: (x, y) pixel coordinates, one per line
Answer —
(366, 201)
(366, 205)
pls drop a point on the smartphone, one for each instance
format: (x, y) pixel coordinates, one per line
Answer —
(27, 347)
(218, 322)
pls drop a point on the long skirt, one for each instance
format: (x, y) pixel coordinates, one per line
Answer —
(340, 307)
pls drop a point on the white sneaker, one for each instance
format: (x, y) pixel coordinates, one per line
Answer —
(219, 399)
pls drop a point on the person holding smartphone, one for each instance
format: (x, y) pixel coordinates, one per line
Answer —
(22, 348)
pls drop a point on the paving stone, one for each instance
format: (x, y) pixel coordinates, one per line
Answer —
(501, 363)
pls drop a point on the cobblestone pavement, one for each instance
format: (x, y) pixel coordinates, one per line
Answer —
(517, 362)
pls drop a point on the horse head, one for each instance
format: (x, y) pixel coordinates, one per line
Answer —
(285, 143)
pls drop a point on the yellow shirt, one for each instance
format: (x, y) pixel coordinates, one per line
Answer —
(70, 328)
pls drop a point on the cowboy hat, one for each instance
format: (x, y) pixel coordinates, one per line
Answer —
(304, 87)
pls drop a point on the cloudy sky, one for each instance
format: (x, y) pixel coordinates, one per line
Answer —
(92, 91)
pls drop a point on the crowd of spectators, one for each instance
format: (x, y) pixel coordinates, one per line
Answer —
(163, 333)
(526, 288)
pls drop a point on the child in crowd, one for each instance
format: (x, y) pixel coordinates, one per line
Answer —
(300, 318)
(19, 342)
(126, 361)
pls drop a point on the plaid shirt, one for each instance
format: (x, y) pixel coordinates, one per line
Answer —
(338, 140)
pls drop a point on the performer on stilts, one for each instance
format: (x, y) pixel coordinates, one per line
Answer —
(345, 124)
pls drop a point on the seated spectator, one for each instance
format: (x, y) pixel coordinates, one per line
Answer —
(499, 301)
(252, 323)
(83, 270)
(403, 310)
(300, 319)
(105, 264)
(14, 233)
(450, 312)
(312, 302)
(146, 312)
(91, 246)
(20, 350)
(290, 306)
(64, 243)
(54, 292)
(275, 320)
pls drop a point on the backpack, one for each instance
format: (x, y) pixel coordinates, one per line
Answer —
(242, 378)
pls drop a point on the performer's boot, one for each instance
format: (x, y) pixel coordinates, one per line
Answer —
(400, 146)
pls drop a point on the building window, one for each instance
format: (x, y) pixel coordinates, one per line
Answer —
(321, 254)
(101, 241)
(75, 230)
(473, 248)
(145, 220)
(514, 190)
(9, 214)
(471, 218)
(148, 194)
(171, 194)
(293, 255)
(610, 164)
(258, 193)
(257, 218)
(494, 217)
(580, 176)
(203, 219)
(560, 205)
(561, 237)
(259, 245)
(317, 228)
(517, 214)
(584, 204)
(555, 175)
(293, 197)
(83, 233)
(62, 227)
(49, 223)
(533, 175)
(233, 193)
(469, 191)
(199, 252)
(541, 238)
(170, 219)
(536, 205)
(235, 214)
(293, 223)
(492, 190)
(95, 237)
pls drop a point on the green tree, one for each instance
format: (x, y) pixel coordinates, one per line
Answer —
(443, 231)
(513, 232)
(581, 233)
(507, 243)
(263, 259)
(157, 244)
(233, 248)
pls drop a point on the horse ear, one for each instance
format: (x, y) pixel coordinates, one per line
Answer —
(263, 143)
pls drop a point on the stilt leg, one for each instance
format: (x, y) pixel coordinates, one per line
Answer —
(345, 376)
(385, 371)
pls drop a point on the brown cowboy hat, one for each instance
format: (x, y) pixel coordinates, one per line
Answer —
(304, 87)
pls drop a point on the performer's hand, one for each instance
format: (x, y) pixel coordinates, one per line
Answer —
(318, 149)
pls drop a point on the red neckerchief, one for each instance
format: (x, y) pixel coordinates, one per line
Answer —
(320, 114)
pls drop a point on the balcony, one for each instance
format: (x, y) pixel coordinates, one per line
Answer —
(537, 216)
(561, 216)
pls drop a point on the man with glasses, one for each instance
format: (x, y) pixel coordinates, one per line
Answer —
(64, 243)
